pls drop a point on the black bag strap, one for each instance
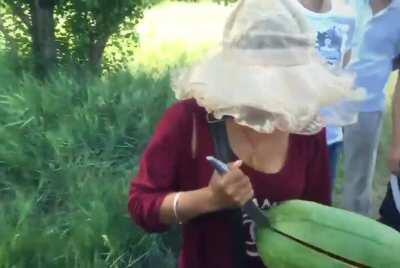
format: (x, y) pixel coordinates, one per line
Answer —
(223, 151)
(222, 148)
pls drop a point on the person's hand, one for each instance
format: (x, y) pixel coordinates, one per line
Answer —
(394, 160)
(232, 190)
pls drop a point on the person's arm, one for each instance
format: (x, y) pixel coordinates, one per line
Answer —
(394, 153)
(157, 175)
(154, 190)
(318, 187)
(230, 191)
(191, 204)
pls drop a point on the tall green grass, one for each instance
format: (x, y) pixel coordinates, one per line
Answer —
(68, 149)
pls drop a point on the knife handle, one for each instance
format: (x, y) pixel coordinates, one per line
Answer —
(218, 165)
(249, 207)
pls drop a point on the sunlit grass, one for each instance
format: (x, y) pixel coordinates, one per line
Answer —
(176, 33)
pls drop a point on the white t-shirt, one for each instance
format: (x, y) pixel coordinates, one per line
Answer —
(334, 36)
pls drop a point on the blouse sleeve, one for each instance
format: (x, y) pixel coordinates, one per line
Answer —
(157, 175)
(318, 188)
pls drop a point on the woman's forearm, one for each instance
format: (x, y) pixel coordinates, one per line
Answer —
(231, 190)
(190, 205)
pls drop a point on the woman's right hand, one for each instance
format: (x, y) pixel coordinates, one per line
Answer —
(232, 190)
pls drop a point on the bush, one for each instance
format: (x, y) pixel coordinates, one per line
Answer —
(68, 148)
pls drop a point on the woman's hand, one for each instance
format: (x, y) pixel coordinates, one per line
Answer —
(229, 191)
(232, 190)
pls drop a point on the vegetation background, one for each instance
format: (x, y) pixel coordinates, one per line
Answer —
(78, 103)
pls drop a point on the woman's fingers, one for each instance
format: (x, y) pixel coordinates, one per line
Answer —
(237, 187)
(244, 192)
(246, 196)
(237, 164)
(233, 189)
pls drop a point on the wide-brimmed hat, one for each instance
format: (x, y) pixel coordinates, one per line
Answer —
(267, 74)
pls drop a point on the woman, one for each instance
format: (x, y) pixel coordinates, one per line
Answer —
(264, 85)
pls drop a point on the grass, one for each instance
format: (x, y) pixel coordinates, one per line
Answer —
(172, 33)
(69, 148)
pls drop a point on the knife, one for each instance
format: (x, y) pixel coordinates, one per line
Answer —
(253, 211)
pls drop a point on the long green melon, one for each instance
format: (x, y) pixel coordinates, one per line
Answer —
(335, 232)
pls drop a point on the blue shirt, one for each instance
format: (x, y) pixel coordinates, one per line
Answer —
(379, 43)
(334, 36)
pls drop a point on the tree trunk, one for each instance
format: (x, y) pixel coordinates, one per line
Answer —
(43, 38)
(96, 51)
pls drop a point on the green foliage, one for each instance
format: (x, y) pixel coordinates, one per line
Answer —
(68, 149)
(14, 33)
(83, 29)
(83, 24)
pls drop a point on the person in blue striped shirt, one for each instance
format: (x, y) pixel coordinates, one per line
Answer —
(378, 41)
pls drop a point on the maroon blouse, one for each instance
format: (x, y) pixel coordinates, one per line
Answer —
(169, 165)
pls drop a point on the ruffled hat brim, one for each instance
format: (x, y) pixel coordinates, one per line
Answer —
(267, 97)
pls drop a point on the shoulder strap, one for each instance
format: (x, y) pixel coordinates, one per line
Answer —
(223, 151)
